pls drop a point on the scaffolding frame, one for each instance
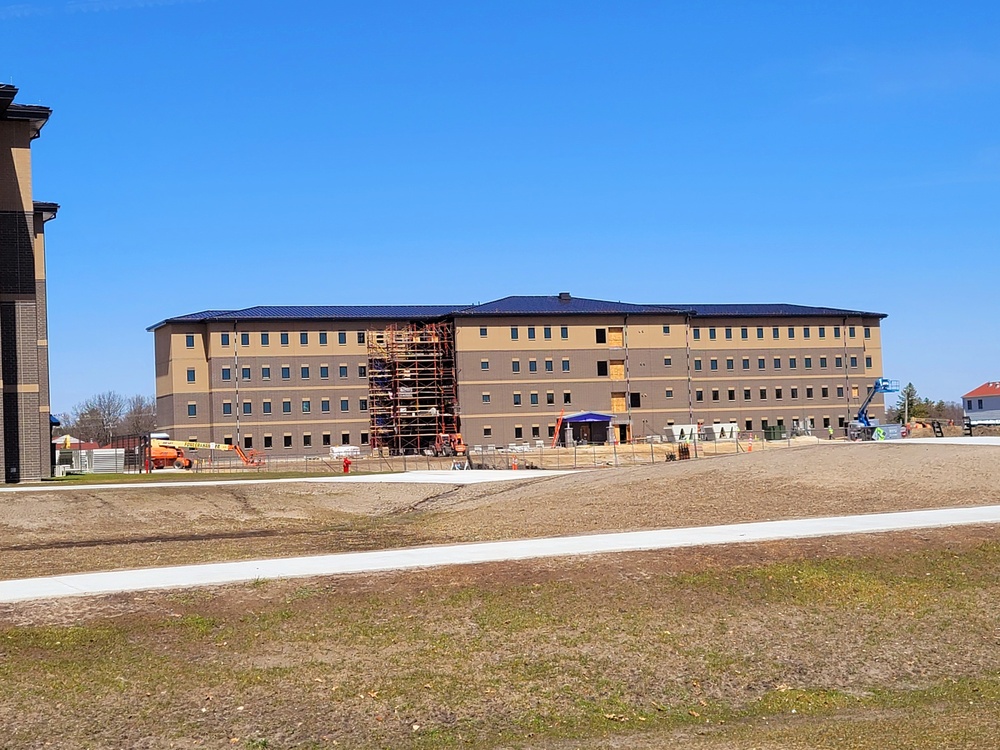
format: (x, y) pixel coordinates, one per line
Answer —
(412, 389)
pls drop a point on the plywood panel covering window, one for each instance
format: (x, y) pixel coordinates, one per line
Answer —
(616, 337)
(617, 402)
(617, 369)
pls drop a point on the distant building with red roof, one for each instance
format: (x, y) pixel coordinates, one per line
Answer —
(982, 405)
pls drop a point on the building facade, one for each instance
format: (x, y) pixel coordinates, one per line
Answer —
(982, 405)
(297, 380)
(24, 359)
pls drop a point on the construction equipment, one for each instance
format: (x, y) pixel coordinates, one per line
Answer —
(164, 453)
(450, 444)
(862, 427)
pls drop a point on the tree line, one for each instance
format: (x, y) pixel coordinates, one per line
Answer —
(102, 417)
(910, 406)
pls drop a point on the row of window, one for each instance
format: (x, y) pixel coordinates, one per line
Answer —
(776, 332)
(305, 371)
(225, 339)
(515, 332)
(515, 365)
(325, 438)
(779, 392)
(266, 407)
(793, 363)
(748, 425)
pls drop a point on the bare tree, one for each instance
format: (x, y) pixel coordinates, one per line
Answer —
(99, 417)
(139, 417)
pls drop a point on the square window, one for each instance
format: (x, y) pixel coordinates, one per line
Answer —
(854, 361)
(247, 407)
(265, 407)
(517, 399)
(307, 440)
(189, 341)
(565, 365)
(287, 441)
(669, 393)
(715, 394)
(190, 375)
(760, 363)
(484, 365)
(248, 442)
(602, 335)
(306, 406)
(487, 431)
(666, 330)
(822, 362)
(763, 394)
(482, 332)
(777, 363)
(535, 431)
(548, 365)
(342, 337)
(730, 364)
(361, 337)
(746, 363)
(227, 408)
(838, 362)
(564, 332)
(268, 441)
(518, 432)
(486, 398)
(324, 372)
(533, 399)
(344, 405)
(667, 361)
(265, 373)
(567, 397)
(808, 361)
(192, 410)
(224, 339)
(550, 398)
(513, 333)
(286, 407)
(324, 405)
(362, 404)
(531, 333)
(227, 373)
(345, 438)
(244, 339)
(809, 391)
(286, 373)
(326, 439)
(713, 364)
(696, 334)
(305, 372)
(283, 336)
(342, 371)
(323, 338)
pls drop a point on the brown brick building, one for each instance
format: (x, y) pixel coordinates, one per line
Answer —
(297, 380)
(24, 359)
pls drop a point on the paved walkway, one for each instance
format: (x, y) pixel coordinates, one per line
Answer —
(87, 584)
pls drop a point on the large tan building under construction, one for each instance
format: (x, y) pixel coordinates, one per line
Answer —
(24, 358)
(296, 380)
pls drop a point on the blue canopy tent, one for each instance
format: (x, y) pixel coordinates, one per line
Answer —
(588, 426)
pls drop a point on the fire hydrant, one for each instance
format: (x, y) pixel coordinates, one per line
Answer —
(347, 465)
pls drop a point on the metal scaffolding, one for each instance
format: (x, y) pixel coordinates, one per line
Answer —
(412, 394)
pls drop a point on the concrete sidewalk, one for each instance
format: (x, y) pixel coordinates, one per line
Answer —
(88, 584)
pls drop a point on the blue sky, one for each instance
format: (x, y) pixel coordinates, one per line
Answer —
(225, 154)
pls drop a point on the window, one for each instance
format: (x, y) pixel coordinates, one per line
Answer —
(265, 407)
(777, 393)
(868, 332)
(268, 441)
(533, 399)
(840, 391)
(532, 365)
(564, 332)
(715, 394)
(669, 393)
(287, 440)
(697, 365)
(326, 439)
(550, 397)
(518, 432)
(567, 397)
(482, 332)
(304, 338)
(247, 407)
(760, 363)
(791, 332)
(731, 394)
(324, 372)
(822, 362)
(486, 398)
(484, 364)
(713, 364)
(344, 405)
(190, 375)
(189, 341)
(361, 337)
(746, 363)
(854, 361)
(342, 337)
(748, 425)
(487, 431)
(809, 391)
(224, 339)
(746, 394)
(226, 373)
(517, 399)
(850, 332)
(838, 362)
(602, 369)
(792, 363)
(248, 442)
(808, 361)
(729, 334)
(793, 392)
(696, 334)
(836, 332)
(362, 404)
(711, 334)
(979, 403)
(534, 431)
(602, 335)
(547, 332)
(824, 392)
(744, 333)
(868, 362)
(305, 372)
(324, 405)
(760, 332)
(192, 410)
(306, 406)
(342, 371)
(244, 339)
(699, 395)
(763, 394)
(286, 372)
(245, 373)
(322, 338)
(805, 332)
(775, 333)
(565, 365)
(513, 333)
(284, 338)
(515, 365)
(730, 364)
(666, 330)
(667, 361)
(362, 371)
(635, 400)
(822, 332)
(265, 373)
(307, 440)
(548, 365)
(227, 408)
(286, 407)
(840, 421)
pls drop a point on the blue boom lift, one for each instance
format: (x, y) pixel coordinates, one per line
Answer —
(865, 428)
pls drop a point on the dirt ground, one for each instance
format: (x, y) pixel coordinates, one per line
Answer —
(47, 533)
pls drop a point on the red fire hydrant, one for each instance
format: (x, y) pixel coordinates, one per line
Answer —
(347, 465)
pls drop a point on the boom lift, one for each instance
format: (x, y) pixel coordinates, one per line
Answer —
(163, 453)
(863, 427)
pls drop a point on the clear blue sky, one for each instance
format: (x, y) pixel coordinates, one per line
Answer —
(225, 154)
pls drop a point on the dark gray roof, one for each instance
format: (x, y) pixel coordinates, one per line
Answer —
(514, 305)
